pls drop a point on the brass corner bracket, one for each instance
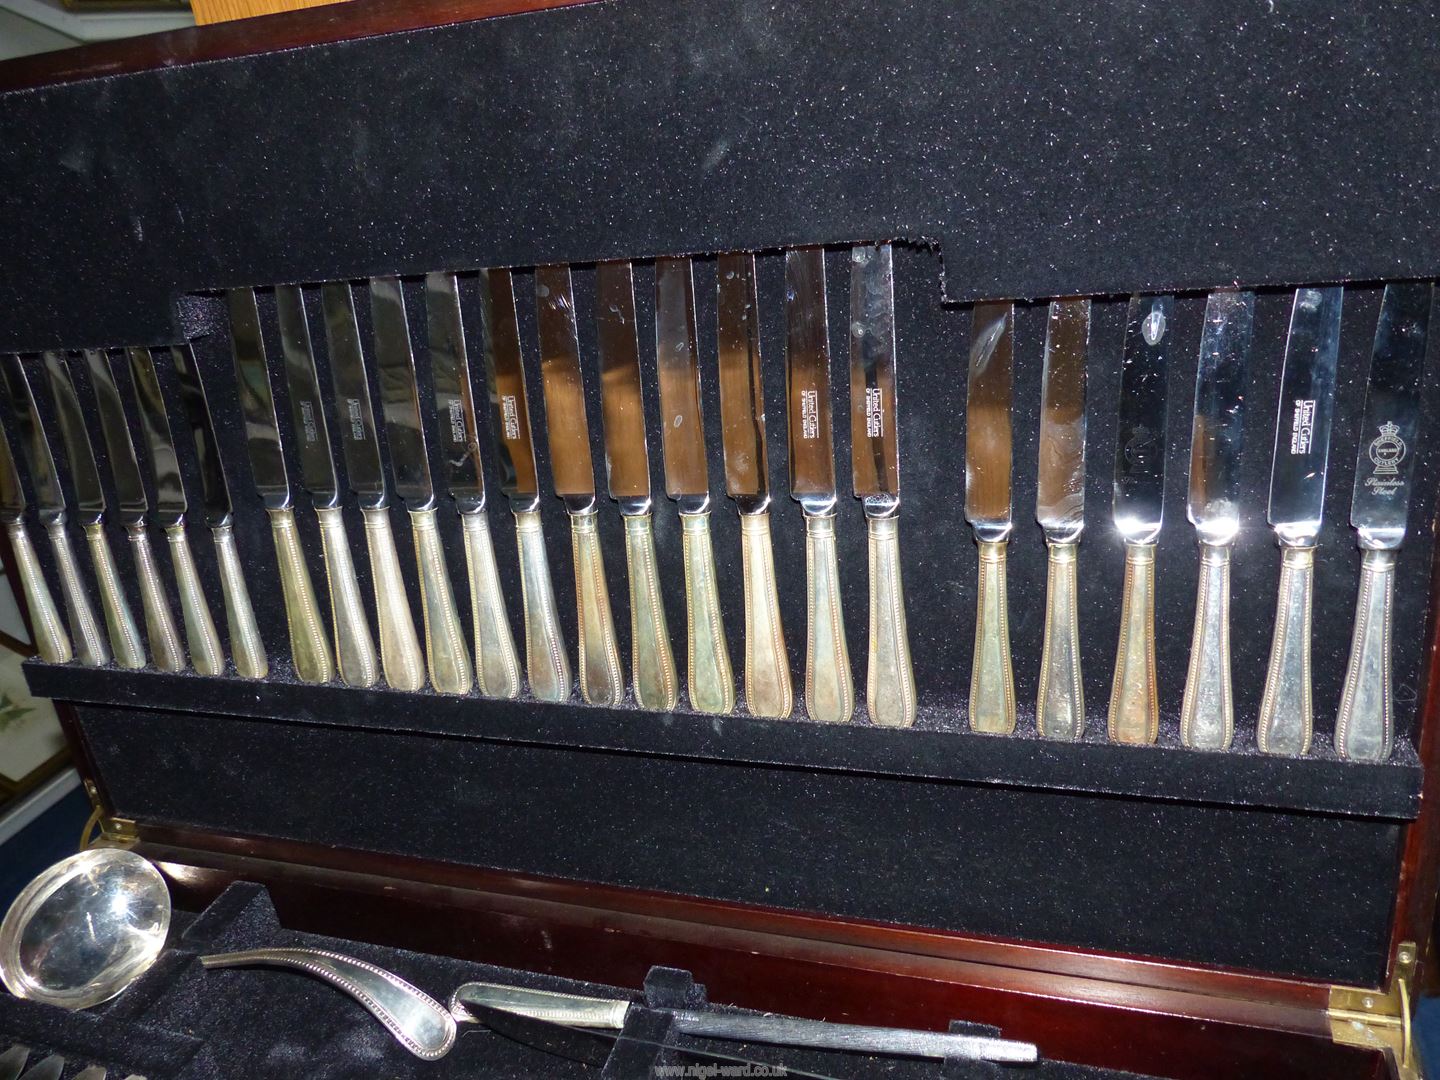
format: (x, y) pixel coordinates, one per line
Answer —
(114, 831)
(1381, 1020)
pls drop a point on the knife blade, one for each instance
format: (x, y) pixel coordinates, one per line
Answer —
(51, 640)
(497, 665)
(1138, 506)
(1207, 719)
(1297, 497)
(829, 687)
(568, 432)
(309, 644)
(246, 647)
(768, 690)
(90, 647)
(1364, 728)
(987, 509)
(90, 502)
(1060, 510)
(354, 647)
(875, 464)
(447, 655)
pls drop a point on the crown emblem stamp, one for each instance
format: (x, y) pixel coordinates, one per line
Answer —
(1387, 451)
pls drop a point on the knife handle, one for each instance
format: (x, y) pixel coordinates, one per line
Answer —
(400, 655)
(496, 664)
(119, 622)
(1285, 707)
(708, 671)
(992, 678)
(890, 681)
(246, 647)
(165, 647)
(1207, 717)
(51, 641)
(445, 648)
(1134, 700)
(90, 647)
(309, 646)
(601, 682)
(652, 659)
(829, 686)
(200, 635)
(1363, 729)
(1060, 705)
(768, 689)
(546, 661)
(354, 648)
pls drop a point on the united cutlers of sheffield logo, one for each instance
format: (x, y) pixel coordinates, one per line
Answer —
(1387, 451)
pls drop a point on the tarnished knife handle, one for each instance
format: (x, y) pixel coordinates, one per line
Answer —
(309, 645)
(445, 648)
(400, 654)
(601, 682)
(497, 666)
(890, 679)
(205, 653)
(119, 622)
(51, 641)
(354, 648)
(1285, 707)
(1363, 729)
(1134, 699)
(1060, 705)
(246, 647)
(710, 676)
(90, 647)
(829, 685)
(652, 659)
(546, 660)
(1207, 717)
(768, 689)
(992, 679)
(165, 647)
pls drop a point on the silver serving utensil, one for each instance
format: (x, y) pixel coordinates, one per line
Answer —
(94, 1072)
(12, 1061)
(49, 1069)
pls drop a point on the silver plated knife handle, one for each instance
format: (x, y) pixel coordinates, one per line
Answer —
(204, 642)
(1134, 699)
(768, 689)
(600, 680)
(829, 685)
(246, 647)
(119, 621)
(652, 658)
(546, 660)
(1060, 705)
(165, 647)
(90, 648)
(890, 678)
(497, 666)
(400, 654)
(1207, 716)
(1363, 730)
(709, 674)
(354, 647)
(445, 648)
(992, 678)
(51, 640)
(1285, 707)
(309, 645)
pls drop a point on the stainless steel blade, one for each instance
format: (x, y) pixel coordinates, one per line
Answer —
(352, 397)
(257, 403)
(84, 475)
(124, 467)
(1060, 496)
(12, 495)
(627, 455)
(1302, 428)
(307, 405)
(49, 499)
(987, 421)
(399, 394)
(807, 367)
(682, 427)
(1217, 432)
(1381, 499)
(742, 396)
(214, 487)
(454, 396)
(874, 435)
(505, 383)
(566, 426)
(164, 465)
(1140, 439)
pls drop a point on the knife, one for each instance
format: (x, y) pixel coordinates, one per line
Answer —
(687, 481)
(1207, 719)
(1060, 509)
(497, 665)
(400, 655)
(445, 649)
(987, 509)
(875, 459)
(90, 503)
(1297, 497)
(829, 689)
(90, 646)
(51, 640)
(1378, 507)
(627, 467)
(747, 480)
(601, 682)
(246, 647)
(354, 647)
(309, 644)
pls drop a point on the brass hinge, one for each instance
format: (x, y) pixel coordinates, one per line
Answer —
(1380, 1019)
(114, 831)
